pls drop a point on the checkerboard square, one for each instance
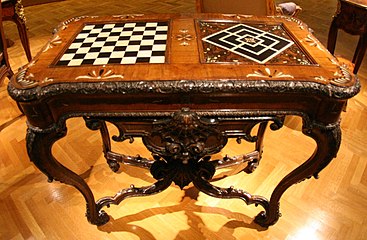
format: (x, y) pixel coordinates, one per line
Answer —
(160, 47)
(114, 60)
(128, 60)
(131, 54)
(75, 45)
(91, 55)
(147, 42)
(95, 49)
(117, 55)
(123, 43)
(144, 54)
(119, 49)
(107, 49)
(82, 50)
(96, 31)
(157, 59)
(75, 62)
(97, 44)
(87, 61)
(130, 48)
(142, 60)
(101, 61)
(90, 40)
(67, 57)
(112, 39)
(136, 38)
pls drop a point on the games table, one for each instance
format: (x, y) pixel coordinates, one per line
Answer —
(185, 84)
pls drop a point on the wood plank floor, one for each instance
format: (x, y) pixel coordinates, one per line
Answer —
(333, 207)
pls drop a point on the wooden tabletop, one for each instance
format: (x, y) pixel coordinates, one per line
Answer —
(188, 57)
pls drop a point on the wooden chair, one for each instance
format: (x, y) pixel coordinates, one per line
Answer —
(250, 7)
(5, 70)
(351, 16)
(13, 11)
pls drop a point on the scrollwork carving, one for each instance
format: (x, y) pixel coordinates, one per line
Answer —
(301, 24)
(183, 174)
(65, 24)
(167, 87)
(134, 192)
(203, 185)
(185, 137)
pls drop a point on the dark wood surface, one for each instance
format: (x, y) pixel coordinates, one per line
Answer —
(351, 16)
(5, 69)
(13, 11)
(160, 102)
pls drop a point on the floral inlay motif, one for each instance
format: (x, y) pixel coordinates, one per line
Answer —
(313, 42)
(184, 37)
(237, 16)
(269, 74)
(102, 74)
(342, 75)
(25, 80)
(53, 43)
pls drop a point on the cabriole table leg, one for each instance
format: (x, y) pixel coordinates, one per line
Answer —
(328, 142)
(39, 145)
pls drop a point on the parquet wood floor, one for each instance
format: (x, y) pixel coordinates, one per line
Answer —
(333, 207)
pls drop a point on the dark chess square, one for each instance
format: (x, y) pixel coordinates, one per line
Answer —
(249, 42)
(118, 43)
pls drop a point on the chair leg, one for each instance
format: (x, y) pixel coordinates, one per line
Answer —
(333, 33)
(22, 29)
(360, 52)
(357, 50)
(10, 73)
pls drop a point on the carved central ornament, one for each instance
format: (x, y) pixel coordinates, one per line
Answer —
(183, 145)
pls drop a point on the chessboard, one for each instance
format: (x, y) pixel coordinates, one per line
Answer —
(117, 43)
(249, 42)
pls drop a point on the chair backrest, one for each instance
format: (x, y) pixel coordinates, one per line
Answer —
(249, 7)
